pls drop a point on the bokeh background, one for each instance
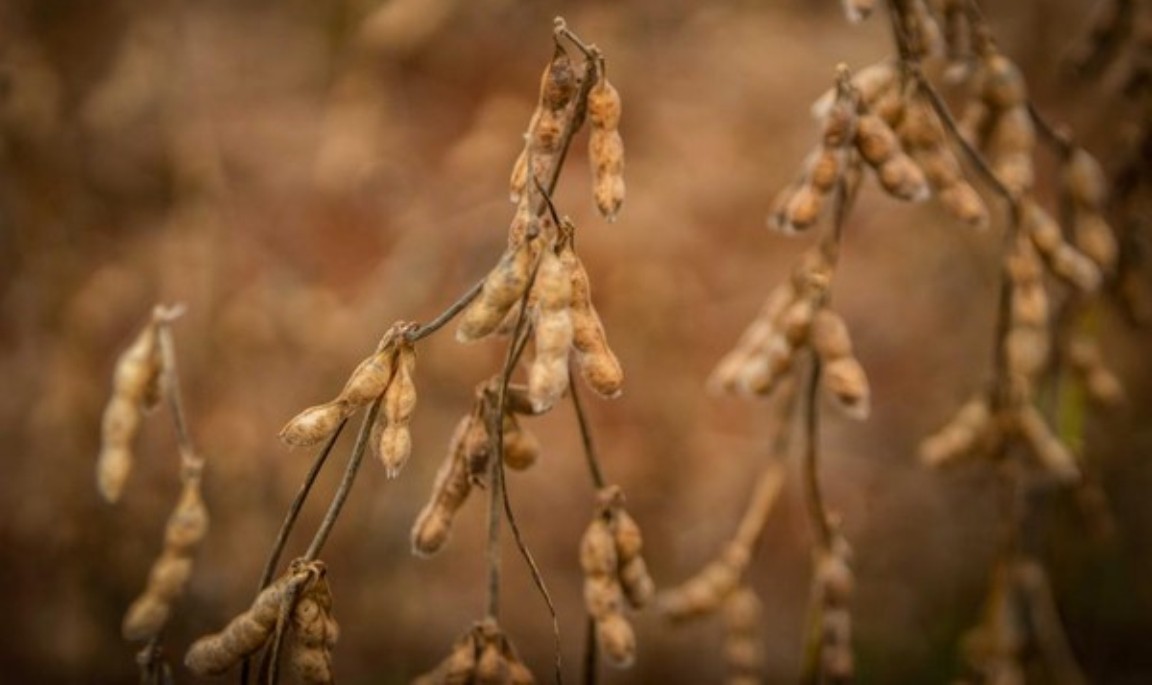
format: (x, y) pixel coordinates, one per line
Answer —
(302, 174)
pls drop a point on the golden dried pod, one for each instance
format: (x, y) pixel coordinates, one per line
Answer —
(823, 168)
(1002, 83)
(188, 523)
(839, 124)
(449, 491)
(112, 469)
(521, 448)
(369, 379)
(763, 371)
(876, 142)
(1041, 228)
(603, 595)
(1029, 305)
(743, 610)
(608, 192)
(617, 639)
(973, 123)
(309, 652)
(491, 666)
(834, 580)
(959, 436)
(604, 105)
(145, 618)
(393, 447)
(138, 368)
(516, 400)
(1094, 237)
(598, 549)
(903, 179)
(503, 286)
(1072, 266)
(244, 635)
(558, 82)
(400, 397)
(627, 535)
(830, 336)
(1015, 171)
(919, 128)
(1012, 132)
(939, 166)
(544, 141)
(637, 582)
(846, 381)
(1084, 180)
(1026, 350)
(314, 424)
(890, 107)
(477, 449)
(1104, 387)
(547, 379)
(796, 321)
(553, 286)
(459, 666)
(963, 202)
(605, 153)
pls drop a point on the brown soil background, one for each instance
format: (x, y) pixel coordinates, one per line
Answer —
(300, 190)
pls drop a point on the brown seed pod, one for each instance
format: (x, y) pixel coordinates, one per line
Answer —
(394, 441)
(458, 668)
(1094, 237)
(963, 202)
(960, 436)
(615, 635)
(705, 592)
(875, 140)
(871, 83)
(491, 664)
(521, 448)
(846, 381)
(597, 363)
(558, 82)
(606, 155)
(1026, 350)
(604, 105)
(1073, 267)
(314, 424)
(629, 541)
(135, 389)
(214, 654)
(450, 490)
(518, 673)
(1084, 180)
(1002, 84)
(503, 286)
(1047, 448)
(314, 632)
(902, 179)
(552, 324)
(802, 209)
(744, 636)
(823, 169)
(370, 378)
(186, 527)
(830, 336)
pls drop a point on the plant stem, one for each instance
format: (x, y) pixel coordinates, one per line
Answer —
(350, 472)
(590, 457)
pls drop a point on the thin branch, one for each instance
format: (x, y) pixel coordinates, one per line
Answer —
(1058, 137)
(585, 435)
(811, 460)
(350, 472)
(591, 673)
(420, 332)
(190, 462)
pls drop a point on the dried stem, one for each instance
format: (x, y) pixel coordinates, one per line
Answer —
(586, 438)
(811, 460)
(591, 673)
(341, 495)
(420, 332)
(190, 463)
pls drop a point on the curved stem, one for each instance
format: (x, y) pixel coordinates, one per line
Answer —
(341, 495)
(811, 462)
(590, 457)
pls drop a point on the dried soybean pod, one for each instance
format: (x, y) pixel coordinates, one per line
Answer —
(309, 652)
(830, 336)
(631, 571)
(503, 286)
(606, 154)
(703, 593)
(1093, 237)
(314, 424)
(169, 575)
(743, 637)
(135, 388)
(1084, 180)
(395, 441)
(1002, 85)
(458, 668)
(370, 378)
(961, 435)
(548, 374)
(597, 363)
(450, 490)
(491, 664)
(1103, 386)
(521, 448)
(846, 381)
(214, 654)
(604, 105)
(617, 639)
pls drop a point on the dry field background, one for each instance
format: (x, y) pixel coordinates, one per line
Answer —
(301, 178)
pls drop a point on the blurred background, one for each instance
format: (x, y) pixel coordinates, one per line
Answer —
(302, 174)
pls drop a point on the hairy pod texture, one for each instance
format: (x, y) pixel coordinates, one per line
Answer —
(449, 492)
(606, 148)
(502, 288)
(394, 440)
(482, 656)
(314, 633)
